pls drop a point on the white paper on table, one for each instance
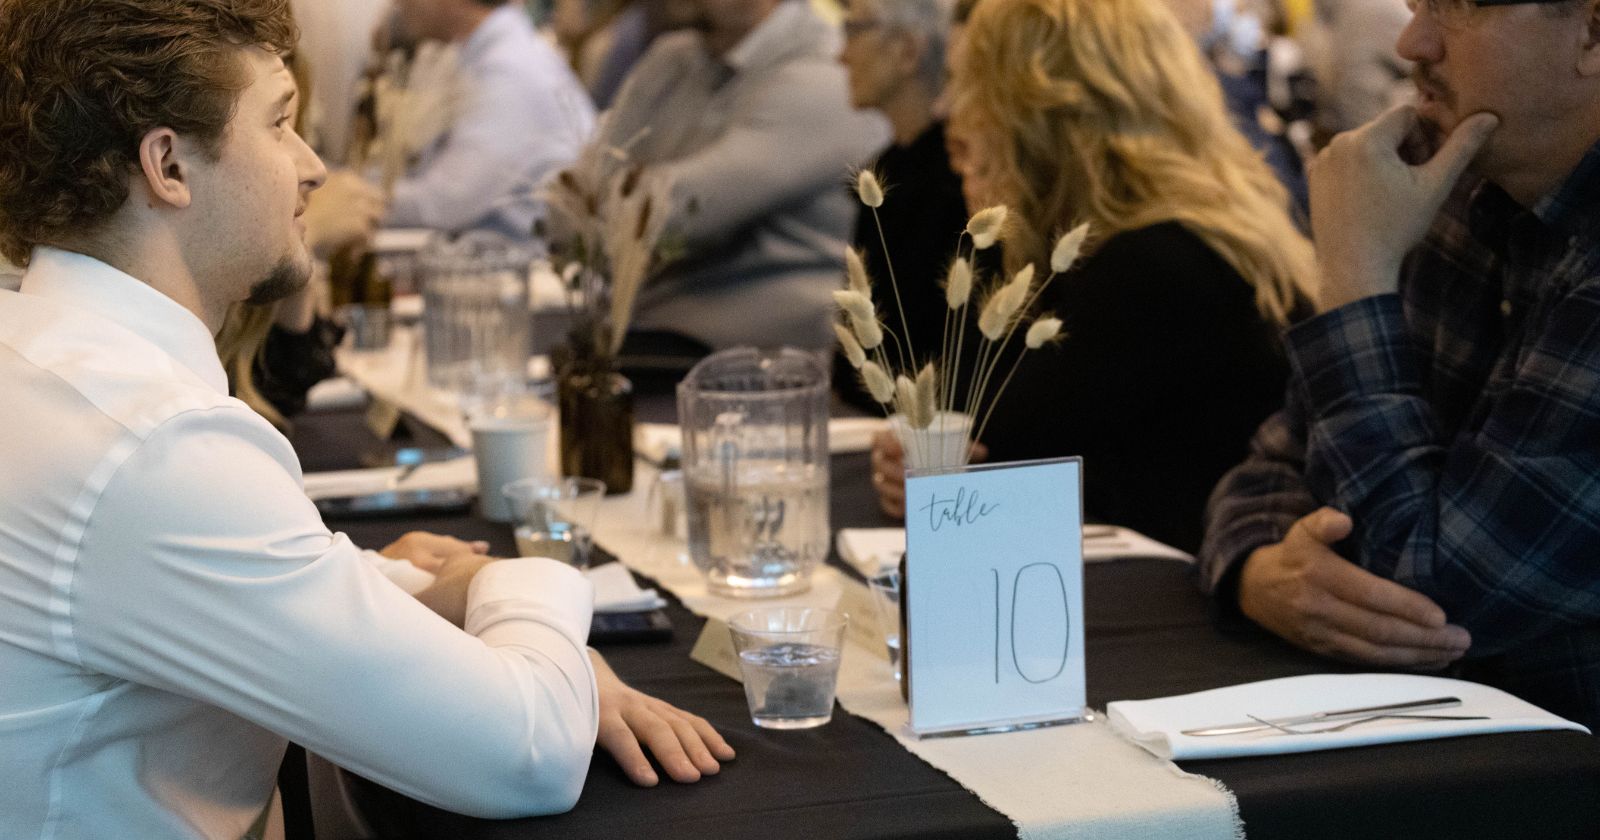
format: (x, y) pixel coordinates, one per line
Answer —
(845, 435)
(401, 240)
(615, 591)
(456, 473)
(872, 550)
(1157, 725)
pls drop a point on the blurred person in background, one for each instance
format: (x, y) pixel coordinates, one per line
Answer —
(519, 115)
(748, 115)
(1349, 50)
(894, 51)
(335, 46)
(1102, 112)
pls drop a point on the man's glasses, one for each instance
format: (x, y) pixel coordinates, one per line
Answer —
(1456, 11)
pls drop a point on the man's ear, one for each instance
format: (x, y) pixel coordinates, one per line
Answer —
(1589, 56)
(166, 170)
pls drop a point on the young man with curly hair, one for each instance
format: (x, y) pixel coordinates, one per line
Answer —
(174, 608)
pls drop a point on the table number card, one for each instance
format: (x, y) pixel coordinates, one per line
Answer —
(994, 596)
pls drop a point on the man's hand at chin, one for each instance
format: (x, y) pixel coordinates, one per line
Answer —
(1369, 206)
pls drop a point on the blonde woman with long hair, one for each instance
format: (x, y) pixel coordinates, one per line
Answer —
(1103, 111)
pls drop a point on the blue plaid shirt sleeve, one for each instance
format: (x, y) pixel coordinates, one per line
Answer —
(1256, 502)
(1497, 522)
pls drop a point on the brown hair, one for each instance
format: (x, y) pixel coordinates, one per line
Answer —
(85, 80)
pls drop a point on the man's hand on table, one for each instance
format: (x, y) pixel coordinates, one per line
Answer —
(685, 745)
(889, 471)
(1303, 591)
(1369, 206)
(429, 551)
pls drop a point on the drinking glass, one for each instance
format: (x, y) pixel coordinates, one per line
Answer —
(555, 517)
(789, 657)
(886, 603)
(755, 462)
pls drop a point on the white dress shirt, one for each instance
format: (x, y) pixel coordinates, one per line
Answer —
(522, 117)
(172, 607)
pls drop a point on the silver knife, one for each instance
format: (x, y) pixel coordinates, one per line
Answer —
(1319, 717)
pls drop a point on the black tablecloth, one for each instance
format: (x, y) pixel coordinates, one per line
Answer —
(1148, 635)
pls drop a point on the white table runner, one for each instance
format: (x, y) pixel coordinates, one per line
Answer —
(1078, 781)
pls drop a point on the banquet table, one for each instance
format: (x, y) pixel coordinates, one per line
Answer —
(1149, 634)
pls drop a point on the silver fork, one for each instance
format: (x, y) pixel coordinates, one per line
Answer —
(1340, 727)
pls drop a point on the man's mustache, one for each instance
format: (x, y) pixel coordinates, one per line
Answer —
(1423, 77)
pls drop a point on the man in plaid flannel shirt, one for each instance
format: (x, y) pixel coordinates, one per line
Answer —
(1431, 491)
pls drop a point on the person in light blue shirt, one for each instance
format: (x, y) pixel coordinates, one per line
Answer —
(521, 115)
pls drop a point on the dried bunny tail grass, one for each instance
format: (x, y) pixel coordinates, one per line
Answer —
(986, 225)
(958, 283)
(992, 319)
(863, 317)
(905, 401)
(633, 230)
(855, 304)
(1042, 332)
(856, 273)
(878, 383)
(852, 348)
(868, 333)
(927, 385)
(1067, 249)
(869, 189)
(1009, 300)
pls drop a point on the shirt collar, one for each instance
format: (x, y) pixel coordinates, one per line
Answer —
(491, 29)
(1574, 206)
(769, 36)
(85, 283)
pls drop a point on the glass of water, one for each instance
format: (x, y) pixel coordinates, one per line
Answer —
(755, 463)
(555, 517)
(886, 600)
(789, 657)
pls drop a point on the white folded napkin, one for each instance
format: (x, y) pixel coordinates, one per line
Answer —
(1157, 725)
(845, 435)
(457, 473)
(871, 550)
(335, 393)
(616, 592)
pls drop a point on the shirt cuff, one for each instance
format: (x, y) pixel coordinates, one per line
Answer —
(531, 588)
(1357, 350)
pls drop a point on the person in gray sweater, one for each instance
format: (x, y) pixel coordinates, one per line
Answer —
(749, 115)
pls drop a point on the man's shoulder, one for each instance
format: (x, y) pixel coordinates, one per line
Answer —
(97, 366)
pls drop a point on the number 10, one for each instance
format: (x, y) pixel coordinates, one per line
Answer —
(1040, 591)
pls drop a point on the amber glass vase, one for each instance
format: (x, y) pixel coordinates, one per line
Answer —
(596, 403)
